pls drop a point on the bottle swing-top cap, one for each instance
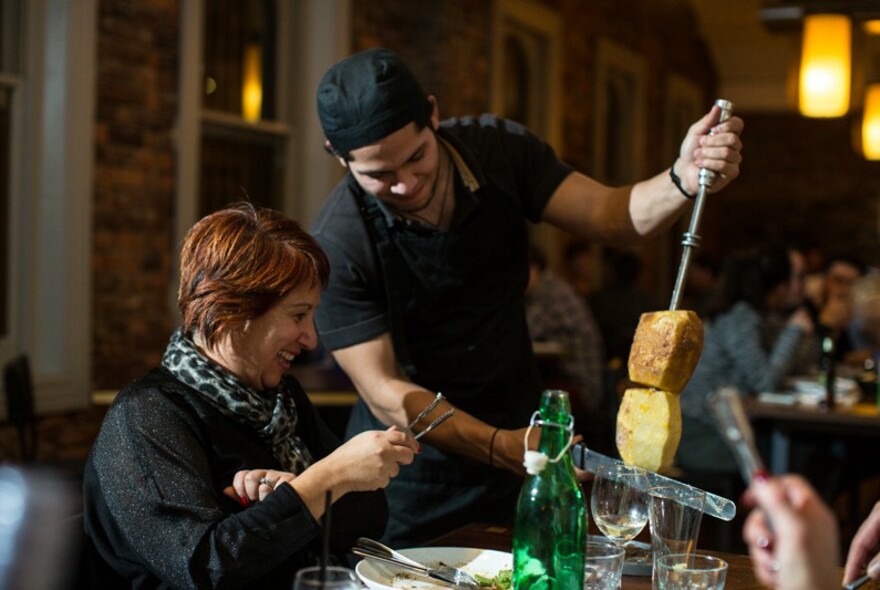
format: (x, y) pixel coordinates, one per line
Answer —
(536, 461)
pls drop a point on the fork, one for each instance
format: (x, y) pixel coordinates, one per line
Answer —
(451, 575)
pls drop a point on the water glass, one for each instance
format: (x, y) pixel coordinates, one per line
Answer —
(334, 578)
(603, 566)
(675, 525)
(680, 571)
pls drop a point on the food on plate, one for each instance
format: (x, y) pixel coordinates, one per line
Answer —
(500, 581)
(665, 350)
(648, 428)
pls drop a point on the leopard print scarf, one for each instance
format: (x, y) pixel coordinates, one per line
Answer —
(271, 413)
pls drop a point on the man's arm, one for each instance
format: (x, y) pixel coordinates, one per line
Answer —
(395, 400)
(592, 210)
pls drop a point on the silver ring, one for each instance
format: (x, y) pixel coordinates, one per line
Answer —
(267, 481)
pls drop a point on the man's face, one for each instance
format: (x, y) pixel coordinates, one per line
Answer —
(400, 170)
(840, 279)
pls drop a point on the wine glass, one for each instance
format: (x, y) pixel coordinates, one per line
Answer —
(620, 507)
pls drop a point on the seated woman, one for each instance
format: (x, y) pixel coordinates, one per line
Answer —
(213, 469)
(737, 350)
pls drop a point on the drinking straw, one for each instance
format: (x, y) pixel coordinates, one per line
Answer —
(325, 545)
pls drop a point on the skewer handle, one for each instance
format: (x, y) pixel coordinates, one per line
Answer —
(691, 239)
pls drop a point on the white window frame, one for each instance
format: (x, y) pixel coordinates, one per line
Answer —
(540, 31)
(51, 201)
(312, 35)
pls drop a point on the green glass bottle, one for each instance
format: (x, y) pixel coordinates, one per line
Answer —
(549, 534)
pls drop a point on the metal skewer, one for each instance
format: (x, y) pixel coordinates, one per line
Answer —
(690, 239)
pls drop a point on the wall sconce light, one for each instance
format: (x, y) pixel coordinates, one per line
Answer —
(252, 83)
(871, 123)
(825, 65)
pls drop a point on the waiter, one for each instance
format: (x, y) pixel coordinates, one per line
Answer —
(427, 241)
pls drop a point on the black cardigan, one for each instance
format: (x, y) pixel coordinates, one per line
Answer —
(154, 503)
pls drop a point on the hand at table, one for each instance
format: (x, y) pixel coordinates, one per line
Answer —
(366, 462)
(801, 550)
(864, 551)
(252, 485)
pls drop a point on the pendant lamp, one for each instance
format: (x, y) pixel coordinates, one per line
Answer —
(825, 65)
(871, 123)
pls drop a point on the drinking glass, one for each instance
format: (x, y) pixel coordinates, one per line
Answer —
(335, 578)
(681, 571)
(603, 565)
(675, 521)
(620, 507)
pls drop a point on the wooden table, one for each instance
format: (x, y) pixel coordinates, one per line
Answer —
(487, 536)
(786, 421)
(326, 387)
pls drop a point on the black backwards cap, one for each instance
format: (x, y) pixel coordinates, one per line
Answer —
(368, 96)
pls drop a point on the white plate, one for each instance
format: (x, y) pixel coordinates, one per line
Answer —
(809, 385)
(809, 392)
(483, 562)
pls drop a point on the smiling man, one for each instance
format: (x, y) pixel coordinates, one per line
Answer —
(427, 241)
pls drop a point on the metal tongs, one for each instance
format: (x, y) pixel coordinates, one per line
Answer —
(446, 416)
(371, 549)
(730, 417)
(691, 240)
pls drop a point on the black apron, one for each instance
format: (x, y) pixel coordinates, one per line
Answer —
(457, 321)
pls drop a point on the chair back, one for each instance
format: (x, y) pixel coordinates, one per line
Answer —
(20, 405)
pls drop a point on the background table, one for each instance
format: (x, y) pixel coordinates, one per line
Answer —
(784, 421)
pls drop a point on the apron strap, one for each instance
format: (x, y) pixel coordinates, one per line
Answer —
(393, 271)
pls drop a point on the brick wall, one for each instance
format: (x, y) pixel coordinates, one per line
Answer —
(803, 182)
(801, 178)
(134, 186)
(448, 44)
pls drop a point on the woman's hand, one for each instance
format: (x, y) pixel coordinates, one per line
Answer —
(864, 551)
(252, 485)
(800, 551)
(369, 460)
(366, 462)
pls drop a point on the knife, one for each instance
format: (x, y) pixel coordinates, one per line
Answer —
(717, 506)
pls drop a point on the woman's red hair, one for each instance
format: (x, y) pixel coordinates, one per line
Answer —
(238, 262)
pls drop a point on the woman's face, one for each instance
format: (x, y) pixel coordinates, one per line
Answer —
(263, 349)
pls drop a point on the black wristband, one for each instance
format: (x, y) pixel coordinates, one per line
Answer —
(677, 182)
(492, 446)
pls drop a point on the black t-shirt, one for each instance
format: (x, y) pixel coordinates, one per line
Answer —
(461, 304)
(461, 290)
